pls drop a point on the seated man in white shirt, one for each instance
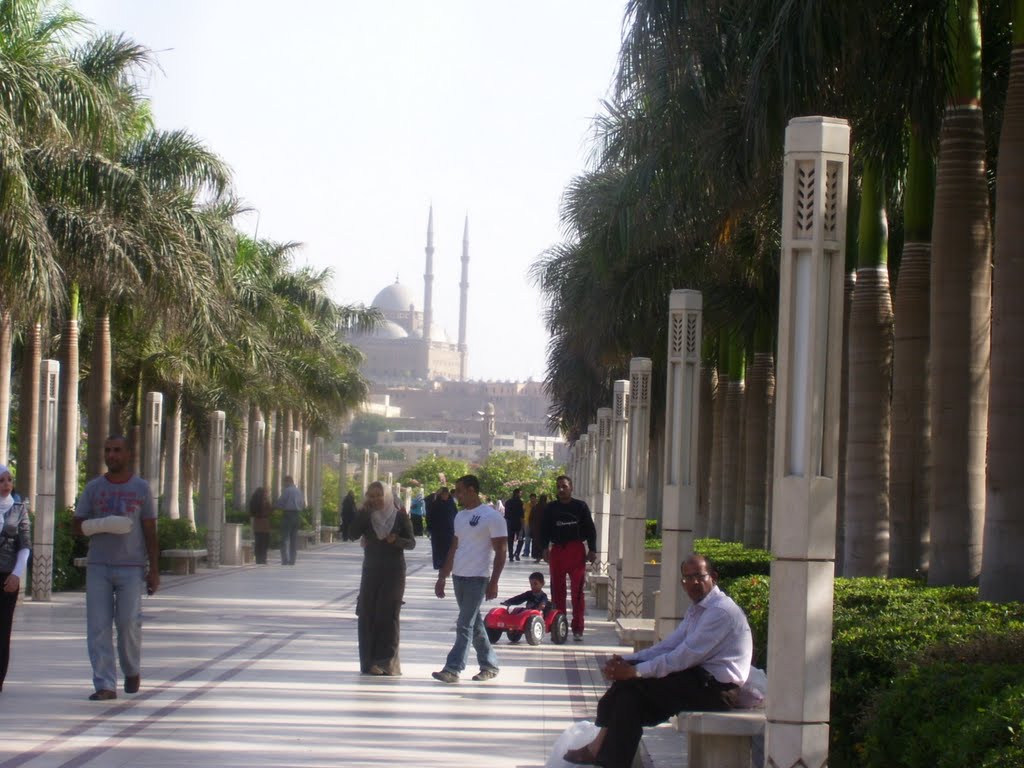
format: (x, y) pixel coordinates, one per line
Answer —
(699, 667)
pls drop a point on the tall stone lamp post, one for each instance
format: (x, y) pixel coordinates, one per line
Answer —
(154, 422)
(806, 441)
(602, 489)
(316, 471)
(620, 447)
(46, 482)
(682, 413)
(634, 525)
(214, 496)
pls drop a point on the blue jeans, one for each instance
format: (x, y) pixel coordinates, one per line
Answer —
(469, 594)
(113, 596)
(289, 536)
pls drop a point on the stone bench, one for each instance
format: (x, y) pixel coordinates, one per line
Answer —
(599, 586)
(248, 551)
(304, 539)
(722, 739)
(327, 533)
(183, 561)
(638, 632)
(80, 562)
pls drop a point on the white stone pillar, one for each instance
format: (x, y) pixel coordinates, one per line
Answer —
(579, 479)
(374, 464)
(591, 471)
(366, 470)
(603, 488)
(173, 468)
(296, 455)
(258, 437)
(316, 473)
(680, 491)
(342, 476)
(389, 478)
(407, 498)
(214, 495)
(806, 440)
(153, 422)
(634, 524)
(46, 482)
(620, 450)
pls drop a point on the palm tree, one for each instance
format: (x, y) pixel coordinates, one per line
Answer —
(870, 372)
(1002, 577)
(961, 285)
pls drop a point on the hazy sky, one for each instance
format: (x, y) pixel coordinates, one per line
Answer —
(343, 121)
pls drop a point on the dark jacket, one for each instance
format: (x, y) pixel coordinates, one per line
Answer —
(565, 522)
(15, 536)
(441, 524)
(539, 601)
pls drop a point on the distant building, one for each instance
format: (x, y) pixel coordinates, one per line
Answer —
(418, 380)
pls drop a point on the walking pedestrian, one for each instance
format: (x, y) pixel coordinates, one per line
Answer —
(568, 542)
(291, 503)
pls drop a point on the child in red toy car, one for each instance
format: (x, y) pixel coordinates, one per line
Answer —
(534, 598)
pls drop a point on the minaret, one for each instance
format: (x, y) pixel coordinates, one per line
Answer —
(428, 279)
(463, 301)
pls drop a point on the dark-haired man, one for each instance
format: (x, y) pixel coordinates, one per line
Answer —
(475, 560)
(698, 667)
(568, 541)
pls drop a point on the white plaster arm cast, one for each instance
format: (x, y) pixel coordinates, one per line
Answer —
(109, 524)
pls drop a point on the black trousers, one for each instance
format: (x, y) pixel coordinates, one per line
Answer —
(629, 705)
(7, 602)
(417, 525)
(261, 542)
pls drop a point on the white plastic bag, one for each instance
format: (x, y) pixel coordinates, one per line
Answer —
(573, 737)
(752, 693)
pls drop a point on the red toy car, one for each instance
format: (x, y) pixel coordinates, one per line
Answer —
(529, 622)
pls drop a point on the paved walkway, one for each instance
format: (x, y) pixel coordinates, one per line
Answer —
(257, 666)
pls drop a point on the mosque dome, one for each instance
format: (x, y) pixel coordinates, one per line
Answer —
(437, 333)
(388, 329)
(394, 298)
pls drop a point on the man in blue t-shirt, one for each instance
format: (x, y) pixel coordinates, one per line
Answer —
(118, 514)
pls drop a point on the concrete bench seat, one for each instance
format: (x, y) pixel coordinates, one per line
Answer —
(599, 586)
(183, 561)
(248, 551)
(721, 739)
(304, 539)
(80, 562)
(327, 533)
(639, 632)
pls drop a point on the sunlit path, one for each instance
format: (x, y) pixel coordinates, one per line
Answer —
(257, 665)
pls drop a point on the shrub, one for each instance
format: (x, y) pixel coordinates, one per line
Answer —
(882, 628)
(179, 534)
(66, 547)
(733, 560)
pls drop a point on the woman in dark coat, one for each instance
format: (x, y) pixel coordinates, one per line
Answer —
(387, 533)
(348, 514)
(441, 511)
(260, 510)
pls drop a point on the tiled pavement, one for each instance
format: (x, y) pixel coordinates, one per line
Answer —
(257, 666)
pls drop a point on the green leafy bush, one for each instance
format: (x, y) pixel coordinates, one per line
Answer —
(733, 559)
(66, 547)
(881, 628)
(179, 534)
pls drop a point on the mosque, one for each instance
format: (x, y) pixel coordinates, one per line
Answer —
(419, 381)
(410, 345)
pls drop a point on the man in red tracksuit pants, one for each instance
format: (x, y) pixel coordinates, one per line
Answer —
(568, 541)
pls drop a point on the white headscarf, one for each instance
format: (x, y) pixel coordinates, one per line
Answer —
(383, 520)
(6, 502)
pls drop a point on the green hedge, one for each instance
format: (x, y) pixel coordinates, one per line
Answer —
(881, 629)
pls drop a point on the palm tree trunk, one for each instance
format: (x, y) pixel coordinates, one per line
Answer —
(961, 307)
(732, 525)
(756, 435)
(172, 477)
(717, 449)
(188, 481)
(1002, 576)
(241, 460)
(6, 362)
(269, 473)
(911, 434)
(99, 396)
(68, 430)
(28, 426)
(708, 385)
(870, 375)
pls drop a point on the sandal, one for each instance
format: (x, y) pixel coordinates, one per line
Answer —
(580, 756)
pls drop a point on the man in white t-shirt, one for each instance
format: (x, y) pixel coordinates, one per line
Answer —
(475, 560)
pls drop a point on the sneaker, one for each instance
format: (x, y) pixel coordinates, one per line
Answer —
(577, 636)
(103, 695)
(485, 673)
(446, 676)
(132, 683)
